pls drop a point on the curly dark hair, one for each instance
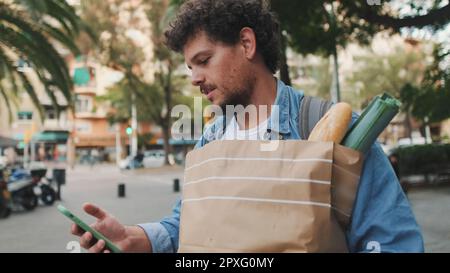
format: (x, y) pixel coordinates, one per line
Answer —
(222, 20)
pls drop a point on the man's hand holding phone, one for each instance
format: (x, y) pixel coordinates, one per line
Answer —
(127, 238)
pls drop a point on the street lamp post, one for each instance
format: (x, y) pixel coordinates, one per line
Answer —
(134, 141)
(129, 132)
(118, 144)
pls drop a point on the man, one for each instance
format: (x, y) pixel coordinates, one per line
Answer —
(232, 49)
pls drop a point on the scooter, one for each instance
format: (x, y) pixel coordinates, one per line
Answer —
(21, 186)
(42, 187)
(5, 197)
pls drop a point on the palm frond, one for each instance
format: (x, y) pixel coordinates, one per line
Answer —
(24, 82)
(39, 52)
(28, 28)
(32, 93)
(8, 75)
(6, 100)
(61, 37)
(58, 10)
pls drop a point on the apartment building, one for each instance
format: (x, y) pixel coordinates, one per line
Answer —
(73, 134)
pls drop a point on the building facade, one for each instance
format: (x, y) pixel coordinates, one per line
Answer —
(76, 134)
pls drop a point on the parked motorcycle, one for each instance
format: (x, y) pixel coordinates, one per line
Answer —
(5, 197)
(42, 188)
(21, 186)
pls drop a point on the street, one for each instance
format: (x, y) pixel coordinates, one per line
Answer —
(431, 208)
(150, 196)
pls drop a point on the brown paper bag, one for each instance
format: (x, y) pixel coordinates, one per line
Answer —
(298, 198)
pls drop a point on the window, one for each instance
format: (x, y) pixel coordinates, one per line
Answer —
(83, 104)
(50, 114)
(25, 115)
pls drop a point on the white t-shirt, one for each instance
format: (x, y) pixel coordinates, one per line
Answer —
(233, 132)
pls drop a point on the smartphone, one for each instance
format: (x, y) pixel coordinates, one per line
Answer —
(86, 227)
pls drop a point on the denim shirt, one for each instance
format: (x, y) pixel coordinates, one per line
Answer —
(382, 220)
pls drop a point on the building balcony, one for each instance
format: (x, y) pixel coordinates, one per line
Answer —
(85, 89)
(55, 124)
(87, 115)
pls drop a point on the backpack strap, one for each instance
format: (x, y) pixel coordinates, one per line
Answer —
(312, 109)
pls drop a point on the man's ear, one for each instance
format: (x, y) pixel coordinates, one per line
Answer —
(248, 42)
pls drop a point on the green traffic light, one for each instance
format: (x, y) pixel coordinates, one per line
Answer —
(129, 130)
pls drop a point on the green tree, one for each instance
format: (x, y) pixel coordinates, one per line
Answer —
(318, 27)
(30, 31)
(375, 73)
(148, 95)
(149, 68)
(160, 14)
(429, 100)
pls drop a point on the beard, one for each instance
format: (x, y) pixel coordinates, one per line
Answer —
(240, 95)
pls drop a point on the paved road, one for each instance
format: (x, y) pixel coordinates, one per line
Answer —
(432, 209)
(149, 197)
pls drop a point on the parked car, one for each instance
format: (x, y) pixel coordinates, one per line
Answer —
(130, 162)
(124, 162)
(412, 141)
(153, 158)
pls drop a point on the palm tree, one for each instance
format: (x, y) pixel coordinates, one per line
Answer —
(30, 31)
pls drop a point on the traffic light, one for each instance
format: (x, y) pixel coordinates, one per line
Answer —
(129, 130)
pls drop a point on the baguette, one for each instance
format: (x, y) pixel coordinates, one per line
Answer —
(333, 125)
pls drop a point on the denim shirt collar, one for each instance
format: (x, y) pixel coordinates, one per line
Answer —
(279, 122)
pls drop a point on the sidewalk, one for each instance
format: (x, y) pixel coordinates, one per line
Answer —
(149, 197)
(431, 208)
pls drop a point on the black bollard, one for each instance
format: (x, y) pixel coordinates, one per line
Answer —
(58, 191)
(176, 185)
(121, 190)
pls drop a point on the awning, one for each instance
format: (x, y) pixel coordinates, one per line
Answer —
(7, 142)
(97, 141)
(51, 136)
